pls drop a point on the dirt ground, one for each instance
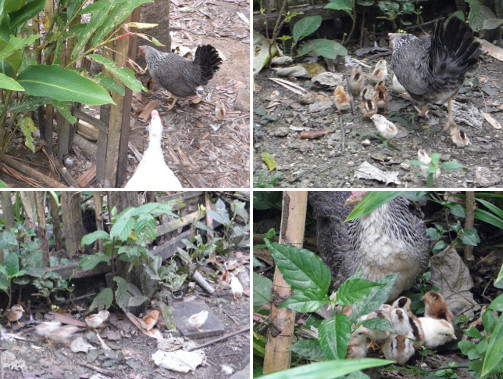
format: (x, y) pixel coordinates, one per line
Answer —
(331, 161)
(202, 152)
(130, 356)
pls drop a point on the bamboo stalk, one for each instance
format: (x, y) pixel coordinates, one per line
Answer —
(280, 332)
(469, 220)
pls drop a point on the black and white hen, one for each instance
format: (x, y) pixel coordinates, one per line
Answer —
(387, 240)
(433, 68)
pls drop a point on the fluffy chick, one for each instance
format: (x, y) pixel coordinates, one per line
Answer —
(368, 107)
(236, 287)
(341, 99)
(53, 331)
(398, 348)
(356, 80)
(425, 158)
(367, 93)
(97, 319)
(435, 306)
(400, 322)
(148, 321)
(357, 347)
(436, 332)
(380, 72)
(14, 314)
(197, 320)
(385, 127)
(397, 87)
(381, 96)
(414, 323)
(460, 138)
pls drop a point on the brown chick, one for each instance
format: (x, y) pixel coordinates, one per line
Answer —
(398, 348)
(415, 325)
(14, 313)
(356, 80)
(368, 107)
(435, 306)
(341, 99)
(459, 138)
(149, 320)
(380, 96)
(380, 72)
(357, 347)
(53, 331)
(96, 320)
(367, 93)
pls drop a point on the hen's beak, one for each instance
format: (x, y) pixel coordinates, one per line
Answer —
(355, 198)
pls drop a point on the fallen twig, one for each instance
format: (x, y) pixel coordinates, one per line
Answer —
(289, 85)
(219, 339)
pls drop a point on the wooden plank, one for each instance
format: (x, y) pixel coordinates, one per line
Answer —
(87, 177)
(71, 269)
(180, 196)
(168, 249)
(145, 114)
(180, 222)
(37, 175)
(100, 124)
(102, 143)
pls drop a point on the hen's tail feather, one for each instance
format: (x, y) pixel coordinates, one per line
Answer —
(208, 59)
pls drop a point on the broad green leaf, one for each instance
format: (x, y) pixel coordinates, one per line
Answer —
(354, 290)
(11, 263)
(341, 5)
(3, 185)
(470, 237)
(440, 245)
(370, 202)
(124, 74)
(418, 163)
(62, 108)
(12, 5)
(305, 27)
(323, 47)
(94, 236)
(376, 297)
(25, 13)
(6, 69)
(307, 300)
(308, 348)
(122, 228)
(269, 161)
(91, 261)
(103, 300)
(121, 10)
(61, 84)
(466, 346)
(27, 127)
(262, 289)
(29, 103)
(365, 3)
(474, 333)
(9, 83)
(449, 166)
(109, 84)
(494, 353)
(378, 323)
(334, 335)
(435, 159)
(492, 23)
(328, 370)
(497, 304)
(498, 283)
(122, 295)
(433, 233)
(12, 47)
(301, 268)
(457, 210)
(136, 301)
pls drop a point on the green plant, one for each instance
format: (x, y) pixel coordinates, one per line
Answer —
(433, 169)
(31, 63)
(265, 179)
(132, 229)
(49, 284)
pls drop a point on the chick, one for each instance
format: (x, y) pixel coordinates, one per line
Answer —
(398, 348)
(53, 330)
(368, 107)
(436, 332)
(96, 320)
(197, 320)
(414, 323)
(380, 72)
(367, 93)
(236, 287)
(476, 324)
(423, 157)
(435, 306)
(385, 127)
(14, 314)
(400, 322)
(356, 80)
(380, 96)
(460, 138)
(357, 347)
(376, 334)
(341, 99)
(397, 87)
(148, 321)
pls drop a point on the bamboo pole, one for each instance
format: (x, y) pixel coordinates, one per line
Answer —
(279, 334)
(469, 221)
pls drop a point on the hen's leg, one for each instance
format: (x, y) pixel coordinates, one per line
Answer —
(423, 112)
(451, 124)
(173, 103)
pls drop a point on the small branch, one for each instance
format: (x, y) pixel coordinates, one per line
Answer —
(220, 339)
(469, 221)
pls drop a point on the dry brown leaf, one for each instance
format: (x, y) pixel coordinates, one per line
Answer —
(490, 119)
(313, 134)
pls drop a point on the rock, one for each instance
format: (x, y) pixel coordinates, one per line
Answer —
(319, 106)
(242, 102)
(307, 98)
(366, 142)
(405, 166)
(282, 131)
(484, 177)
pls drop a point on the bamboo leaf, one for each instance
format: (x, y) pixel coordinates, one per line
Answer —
(61, 84)
(25, 13)
(124, 74)
(494, 353)
(27, 127)
(9, 83)
(370, 202)
(109, 84)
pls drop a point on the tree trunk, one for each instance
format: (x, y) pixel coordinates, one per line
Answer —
(72, 221)
(280, 331)
(56, 226)
(42, 225)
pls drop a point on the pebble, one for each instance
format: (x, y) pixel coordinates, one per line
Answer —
(282, 131)
(366, 142)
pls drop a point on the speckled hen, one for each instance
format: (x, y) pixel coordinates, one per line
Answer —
(433, 68)
(390, 239)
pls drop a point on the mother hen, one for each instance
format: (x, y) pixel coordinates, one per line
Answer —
(387, 240)
(432, 68)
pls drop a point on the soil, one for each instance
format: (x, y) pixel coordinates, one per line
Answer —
(325, 163)
(28, 356)
(203, 152)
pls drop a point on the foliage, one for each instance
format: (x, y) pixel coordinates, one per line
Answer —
(127, 241)
(35, 65)
(51, 283)
(264, 179)
(434, 169)
(481, 17)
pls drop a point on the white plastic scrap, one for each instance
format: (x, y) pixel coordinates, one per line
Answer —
(180, 360)
(367, 171)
